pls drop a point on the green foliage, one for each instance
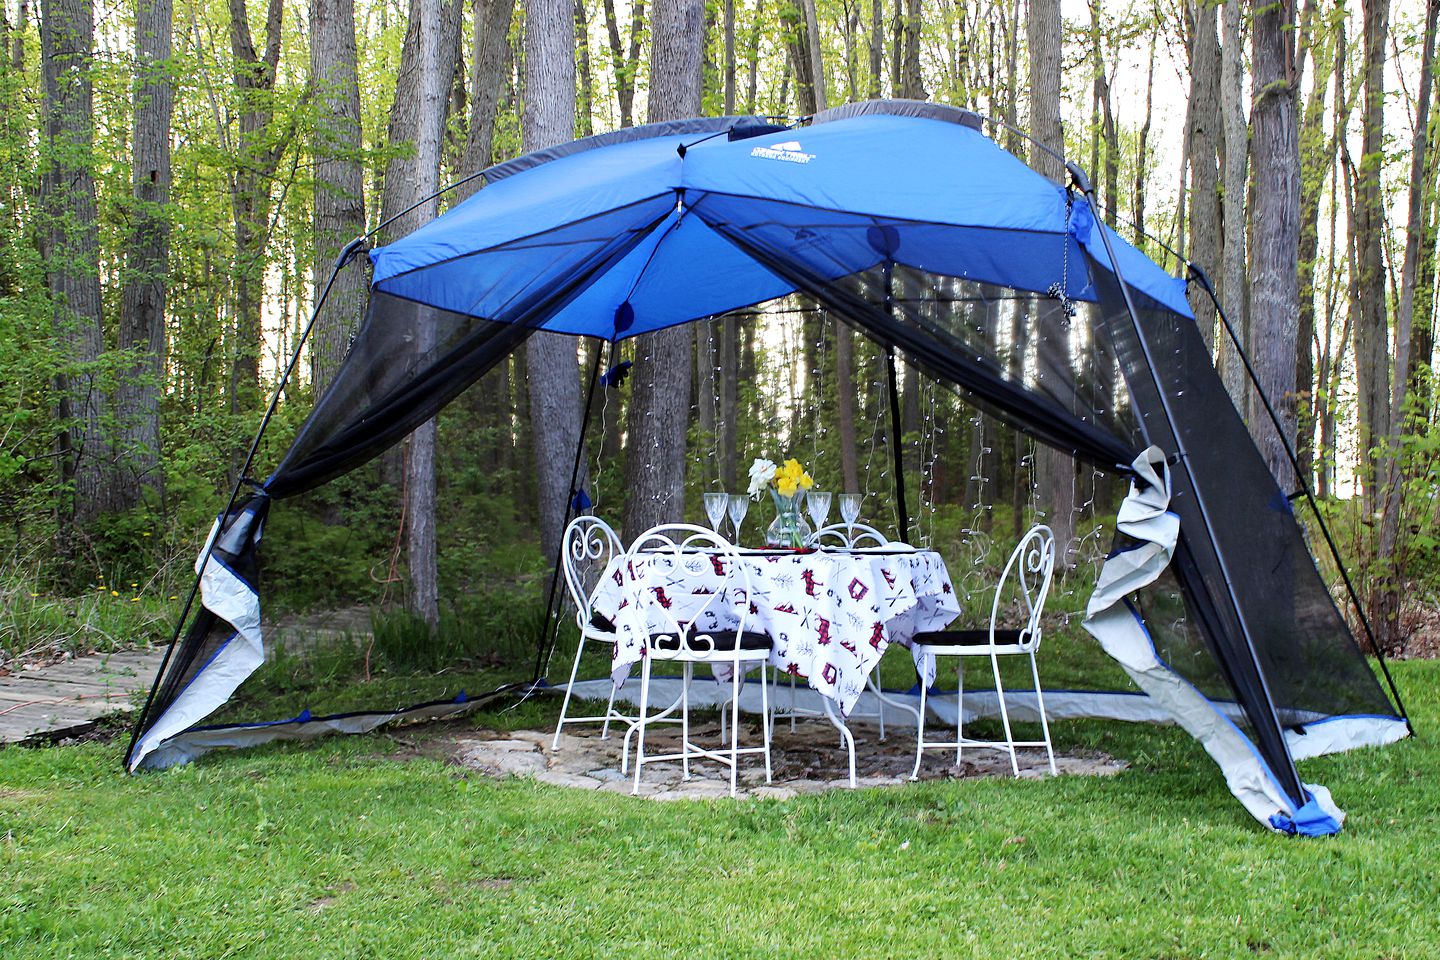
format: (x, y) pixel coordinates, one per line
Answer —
(112, 614)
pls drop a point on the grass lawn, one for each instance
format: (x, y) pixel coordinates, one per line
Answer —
(335, 849)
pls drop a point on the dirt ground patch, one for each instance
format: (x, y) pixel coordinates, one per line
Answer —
(809, 760)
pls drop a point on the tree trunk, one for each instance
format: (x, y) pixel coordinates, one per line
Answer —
(1385, 603)
(752, 57)
(339, 182)
(258, 153)
(845, 402)
(1056, 470)
(912, 83)
(1274, 284)
(728, 69)
(1236, 141)
(623, 61)
(491, 55)
(817, 61)
(729, 412)
(584, 124)
(553, 375)
(417, 116)
(660, 397)
(1372, 355)
(1317, 155)
(1142, 145)
(1204, 142)
(877, 57)
(142, 315)
(70, 245)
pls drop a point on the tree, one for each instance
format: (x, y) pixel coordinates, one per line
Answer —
(1056, 469)
(1203, 156)
(418, 116)
(1233, 187)
(554, 383)
(70, 246)
(660, 397)
(339, 179)
(1275, 220)
(1372, 353)
(259, 147)
(1386, 602)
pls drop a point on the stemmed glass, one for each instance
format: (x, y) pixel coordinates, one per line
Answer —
(818, 503)
(715, 506)
(850, 508)
(739, 506)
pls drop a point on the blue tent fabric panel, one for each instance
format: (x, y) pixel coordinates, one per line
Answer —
(979, 213)
(681, 271)
(549, 196)
(499, 283)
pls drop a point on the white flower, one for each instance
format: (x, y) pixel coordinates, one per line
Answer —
(762, 471)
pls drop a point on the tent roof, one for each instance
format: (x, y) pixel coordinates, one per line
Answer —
(632, 215)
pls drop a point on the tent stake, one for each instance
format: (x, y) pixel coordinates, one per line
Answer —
(550, 628)
(1204, 280)
(1290, 776)
(344, 257)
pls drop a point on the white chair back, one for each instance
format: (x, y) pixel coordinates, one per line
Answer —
(587, 548)
(848, 536)
(1033, 564)
(671, 558)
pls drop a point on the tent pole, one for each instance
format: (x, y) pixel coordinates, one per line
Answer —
(902, 513)
(1290, 775)
(1204, 280)
(344, 257)
(550, 628)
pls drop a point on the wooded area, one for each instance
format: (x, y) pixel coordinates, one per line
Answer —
(183, 175)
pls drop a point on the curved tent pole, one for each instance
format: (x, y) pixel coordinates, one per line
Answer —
(1291, 776)
(343, 259)
(1203, 280)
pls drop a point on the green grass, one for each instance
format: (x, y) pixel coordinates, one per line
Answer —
(335, 849)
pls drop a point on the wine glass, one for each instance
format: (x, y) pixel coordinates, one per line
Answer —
(739, 506)
(715, 506)
(850, 507)
(818, 503)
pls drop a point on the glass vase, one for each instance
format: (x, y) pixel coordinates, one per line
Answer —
(789, 528)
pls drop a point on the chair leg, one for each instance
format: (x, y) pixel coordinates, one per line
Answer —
(734, 728)
(765, 722)
(919, 735)
(565, 704)
(609, 711)
(640, 723)
(685, 720)
(792, 703)
(959, 707)
(1044, 723)
(1005, 716)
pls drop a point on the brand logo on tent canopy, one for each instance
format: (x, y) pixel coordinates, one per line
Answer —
(789, 151)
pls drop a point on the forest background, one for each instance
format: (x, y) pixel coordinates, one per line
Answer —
(180, 175)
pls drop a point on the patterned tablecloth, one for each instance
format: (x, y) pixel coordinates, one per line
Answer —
(831, 614)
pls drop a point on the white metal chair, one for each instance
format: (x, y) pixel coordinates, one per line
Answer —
(587, 547)
(1032, 564)
(665, 556)
(848, 536)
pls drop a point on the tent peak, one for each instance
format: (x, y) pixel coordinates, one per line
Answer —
(897, 107)
(738, 126)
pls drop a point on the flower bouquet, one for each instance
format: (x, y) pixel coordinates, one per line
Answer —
(787, 485)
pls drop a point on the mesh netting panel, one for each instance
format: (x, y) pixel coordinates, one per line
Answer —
(1254, 547)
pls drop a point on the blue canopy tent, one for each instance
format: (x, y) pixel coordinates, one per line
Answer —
(905, 221)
